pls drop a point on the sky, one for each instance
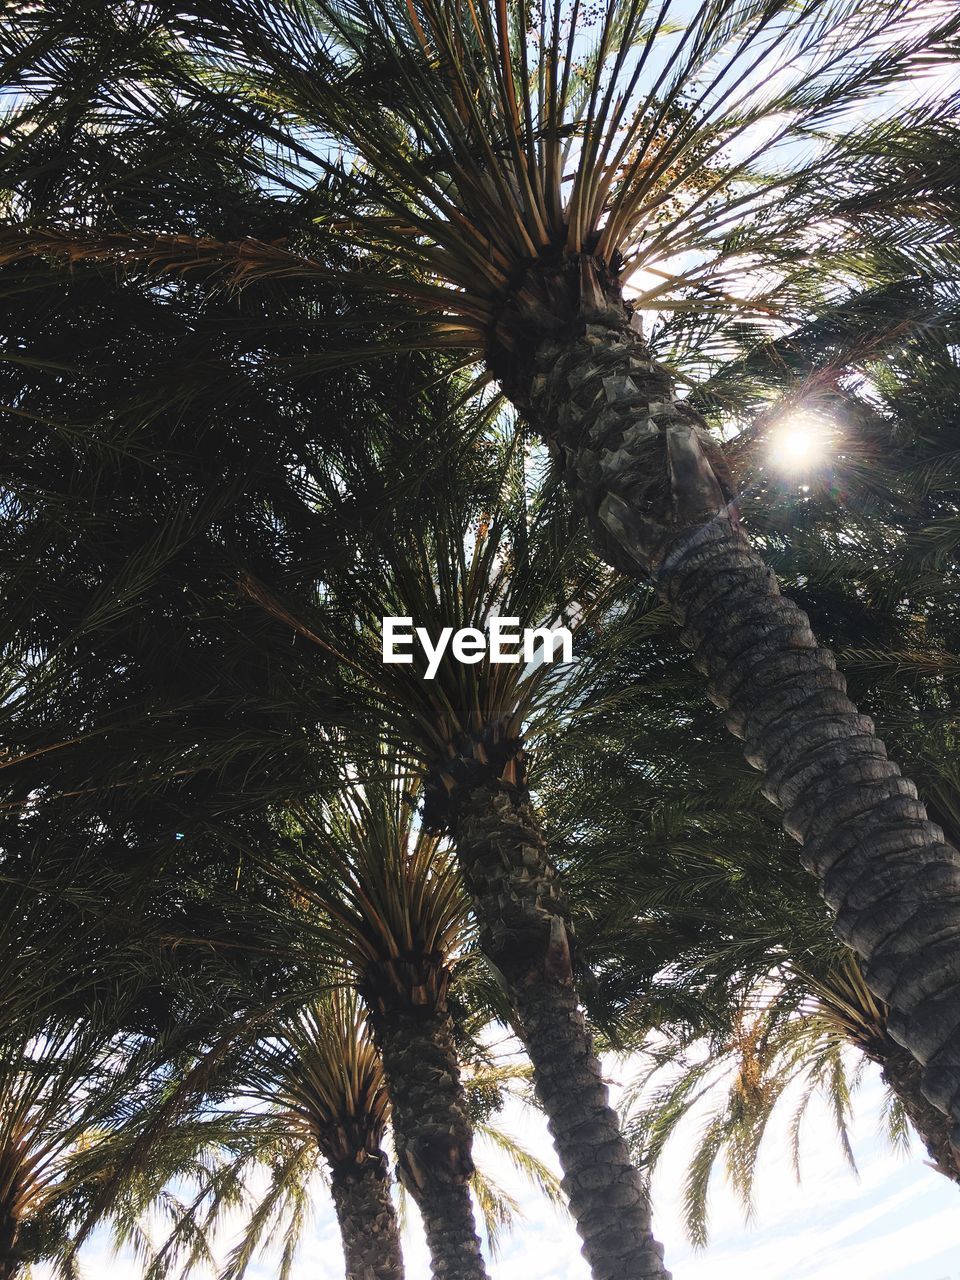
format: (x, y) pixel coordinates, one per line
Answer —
(897, 1221)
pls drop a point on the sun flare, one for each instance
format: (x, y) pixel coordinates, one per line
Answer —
(800, 442)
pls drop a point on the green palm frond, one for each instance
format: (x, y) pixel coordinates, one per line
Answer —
(791, 1041)
(532, 1169)
(319, 1068)
(281, 1213)
(474, 141)
(498, 1209)
(365, 887)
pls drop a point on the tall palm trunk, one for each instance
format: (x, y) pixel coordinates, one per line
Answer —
(368, 1222)
(902, 1073)
(658, 497)
(10, 1261)
(431, 1126)
(843, 1001)
(524, 933)
(11, 1192)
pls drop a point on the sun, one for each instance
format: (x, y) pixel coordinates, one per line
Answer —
(800, 441)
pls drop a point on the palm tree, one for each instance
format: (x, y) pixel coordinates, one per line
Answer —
(85, 1044)
(55, 664)
(711, 922)
(234, 1047)
(51, 667)
(392, 908)
(320, 1076)
(72, 1085)
(521, 178)
(325, 1074)
(478, 553)
(789, 1044)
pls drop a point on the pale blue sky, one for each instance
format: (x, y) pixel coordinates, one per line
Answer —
(898, 1221)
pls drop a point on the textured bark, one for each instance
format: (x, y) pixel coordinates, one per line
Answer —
(432, 1132)
(11, 1259)
(525, 933)
(368, 1223)
(902, 1073)
(656, 492)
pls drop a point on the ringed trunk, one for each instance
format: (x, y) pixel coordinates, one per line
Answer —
(11, 1259)
(660, 501)
(902, 1073)
(432, 1131)
(11, 1262)
(368, 1221)
(525, 934)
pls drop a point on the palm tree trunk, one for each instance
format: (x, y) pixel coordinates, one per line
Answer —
(11, 1262)
(902, 1074)
(525, 934)
(368, 1223)
(658, 496)
(432, 1132)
